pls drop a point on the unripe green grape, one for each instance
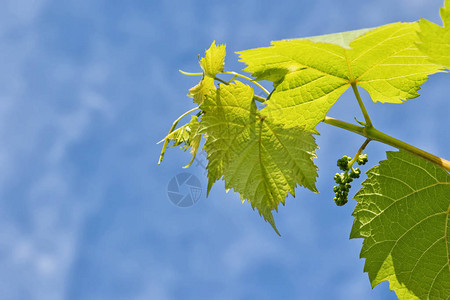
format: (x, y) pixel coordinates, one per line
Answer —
(338, 178)
(344, 179)
(362, 159)
(355, 173)
(340, 201)
(342, 163)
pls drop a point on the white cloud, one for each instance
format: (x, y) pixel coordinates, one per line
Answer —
(38, 243)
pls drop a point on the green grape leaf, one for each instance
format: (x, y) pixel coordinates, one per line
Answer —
(187, 136)
(309, 75)
(342, 39)
(214, 60)
(259, 159)
(403, 215)
(435, 40)
(203, 88)
(211, 64)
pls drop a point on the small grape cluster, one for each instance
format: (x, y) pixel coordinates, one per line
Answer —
(344, 179)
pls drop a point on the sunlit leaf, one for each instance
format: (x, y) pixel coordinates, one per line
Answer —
(310, 74)
(435, 40)
(259, 159)
(212, 63)
(187, 137)
(403, 214)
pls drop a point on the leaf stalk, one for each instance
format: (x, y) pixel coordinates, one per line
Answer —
(361, 105)
(359, 152)
(376, 135)
(249, 79)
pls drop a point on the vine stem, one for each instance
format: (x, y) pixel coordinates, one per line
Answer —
(190, 73)
(225, 82)
(249, 79)
(361, 105)
(166, 140)
(360, 150)
(259, 98)
(376, 135)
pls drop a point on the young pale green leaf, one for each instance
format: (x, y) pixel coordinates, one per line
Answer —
(202, 89)
(188, 136)
(214, 60)
(260, 160)
(435, 40)
(212, 63)
(403, 214)
(309, 75)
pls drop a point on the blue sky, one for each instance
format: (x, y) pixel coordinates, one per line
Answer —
(89, 87)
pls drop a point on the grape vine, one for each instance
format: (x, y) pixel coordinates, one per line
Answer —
(403, 207)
